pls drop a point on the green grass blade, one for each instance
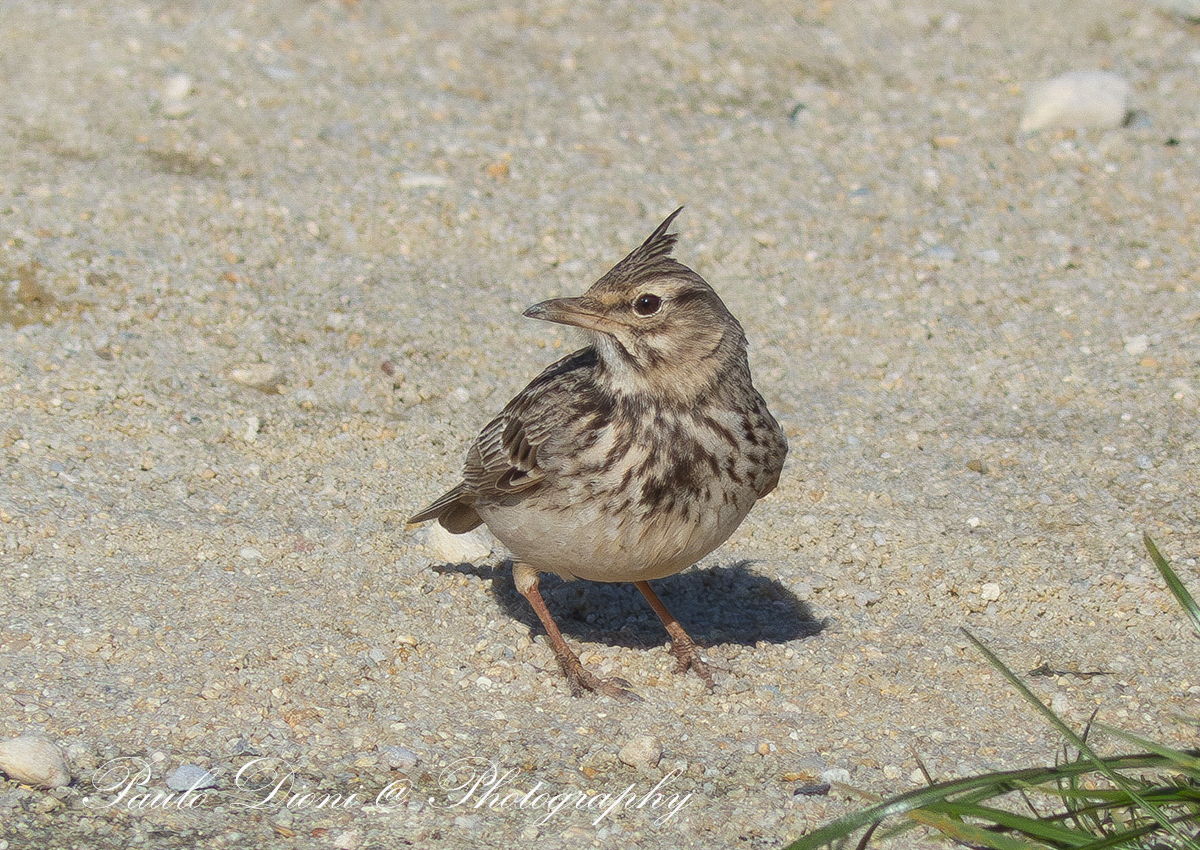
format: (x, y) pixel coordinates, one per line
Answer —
(1039, 829)
(1188, 760)
(1125, 839)
(1076, 741)
(971, 835)
(1180, 592)
(968, 790)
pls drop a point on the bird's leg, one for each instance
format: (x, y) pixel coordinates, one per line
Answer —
(682, 645)
(578, 677)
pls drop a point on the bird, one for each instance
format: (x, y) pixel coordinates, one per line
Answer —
(629, 459)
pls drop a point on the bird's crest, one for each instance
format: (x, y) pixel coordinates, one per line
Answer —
(651, 259)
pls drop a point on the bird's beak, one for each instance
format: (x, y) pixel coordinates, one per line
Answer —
(570, 311)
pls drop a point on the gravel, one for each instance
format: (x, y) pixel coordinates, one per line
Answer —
(261, 274)
(191, 777)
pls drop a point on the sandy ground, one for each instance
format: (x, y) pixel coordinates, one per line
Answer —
(267, 264)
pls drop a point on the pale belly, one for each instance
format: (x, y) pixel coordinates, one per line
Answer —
(589, 542)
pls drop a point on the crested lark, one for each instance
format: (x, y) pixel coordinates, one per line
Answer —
(630, 459)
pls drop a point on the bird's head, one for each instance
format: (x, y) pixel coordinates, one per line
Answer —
(657, 326)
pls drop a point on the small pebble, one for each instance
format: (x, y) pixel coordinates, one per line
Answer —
(1077, 99)
(253, 426)
(866, 597)
(468, 548)
(642, 751)
(34, 760)
(990, 592)
(263, 377)
(835, 775)
(1137, 345)
(177, 87)
(175, 92)
(191, 776)
(398, 758)
(423, 181)
(939, 255)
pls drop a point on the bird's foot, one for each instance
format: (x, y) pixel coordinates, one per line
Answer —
(688, 658)
(580, 679)
(682, 646)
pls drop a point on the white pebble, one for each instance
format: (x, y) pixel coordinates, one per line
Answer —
(253, 426)
(423, 181)
(837, 775)
(174, 96)
(191, 777)
(1077, 99)
(177, 87)
(1136, 345)
(260, 376)
(34, 760)
(642, 751)
(468, 548)
(990, 592)
(249, 553)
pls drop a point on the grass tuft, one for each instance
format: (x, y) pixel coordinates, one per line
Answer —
(1147, 800)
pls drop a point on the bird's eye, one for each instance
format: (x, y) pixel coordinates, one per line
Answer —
(647, 305)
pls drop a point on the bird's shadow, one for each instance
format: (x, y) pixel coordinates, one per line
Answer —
(715, 605)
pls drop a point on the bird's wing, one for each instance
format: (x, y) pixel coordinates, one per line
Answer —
(774, 452)
(504, 459)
